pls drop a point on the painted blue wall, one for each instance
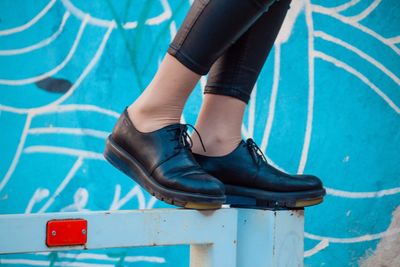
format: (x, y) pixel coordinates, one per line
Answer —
(327, 102)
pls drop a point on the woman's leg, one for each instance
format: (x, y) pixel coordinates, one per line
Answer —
(230, 82)
(249, 179)
(210, 27)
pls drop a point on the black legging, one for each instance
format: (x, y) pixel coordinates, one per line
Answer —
(229, 40)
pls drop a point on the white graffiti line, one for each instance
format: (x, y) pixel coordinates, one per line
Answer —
(344, 6)
(165, 15)
(356, 73)
(311, 88)
(78, 107)
(244, 131)
(394, 40)
(203, 83)
(117, 203)
(360, 53)
(272, 100)
(172, 31)
(320, 246)
(252, 111)
(72, 131)
(383, 40)
(64, 151)
(93, 20)
(376, 194)
(151, 202)
(39, 195)
(29, 23)
(77, 165)
(83, 75)
(94, 256)
(144, 258)
(366, 12)
(45, 253)
(296, 8)
(49, 263)
(54, 70)
(357, 239)
(182, 119)
(81, 197)
(18, 152)
(41, 44)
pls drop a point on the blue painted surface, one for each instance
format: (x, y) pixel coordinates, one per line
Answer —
(343, 80)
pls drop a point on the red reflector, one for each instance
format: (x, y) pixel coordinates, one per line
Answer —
(66, 232)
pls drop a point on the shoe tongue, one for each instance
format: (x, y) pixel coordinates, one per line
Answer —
(176, 126)
(241, 145)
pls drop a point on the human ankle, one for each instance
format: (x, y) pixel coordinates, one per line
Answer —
(215, 145)
(148, 118)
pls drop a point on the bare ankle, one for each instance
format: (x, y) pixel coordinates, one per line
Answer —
(215, 145)
(147, 118)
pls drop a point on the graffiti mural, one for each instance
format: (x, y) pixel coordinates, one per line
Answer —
(327, 102)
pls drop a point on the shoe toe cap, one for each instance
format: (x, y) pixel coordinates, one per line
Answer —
(310, 181)
(195, 182)
(205, 184)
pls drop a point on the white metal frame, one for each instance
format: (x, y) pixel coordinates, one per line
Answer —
(226, 237)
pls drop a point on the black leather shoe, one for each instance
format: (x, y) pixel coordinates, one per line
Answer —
(161, 161)
(250, 181)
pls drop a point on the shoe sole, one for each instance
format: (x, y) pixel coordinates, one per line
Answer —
(123, 161)
(238, 196)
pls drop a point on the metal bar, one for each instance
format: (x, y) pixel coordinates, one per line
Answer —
(224, 237)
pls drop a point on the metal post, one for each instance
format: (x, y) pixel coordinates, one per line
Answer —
(270, 238)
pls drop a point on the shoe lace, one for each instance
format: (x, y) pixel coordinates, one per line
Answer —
(183, 137)
(255, 152)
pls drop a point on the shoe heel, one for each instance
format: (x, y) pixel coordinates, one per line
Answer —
(113, 154)
(112, 157)
(115, 157)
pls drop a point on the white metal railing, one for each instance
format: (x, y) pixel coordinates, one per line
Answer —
(226, 237)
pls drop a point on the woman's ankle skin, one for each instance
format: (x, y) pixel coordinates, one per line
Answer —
(162, 102)
(219, 124)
